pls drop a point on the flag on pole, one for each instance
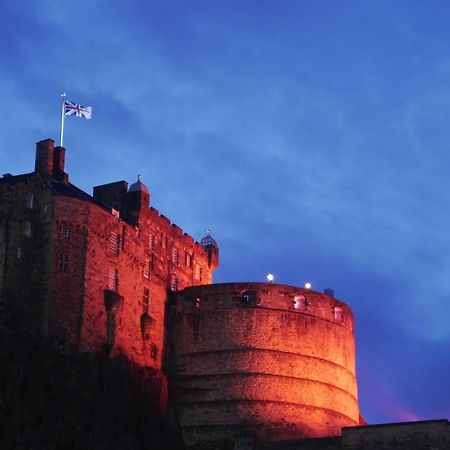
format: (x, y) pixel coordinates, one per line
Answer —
(79, 111)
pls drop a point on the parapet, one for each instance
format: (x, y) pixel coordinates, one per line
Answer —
(201, 299)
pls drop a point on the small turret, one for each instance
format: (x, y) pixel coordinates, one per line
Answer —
(210, 245)
(137, 199)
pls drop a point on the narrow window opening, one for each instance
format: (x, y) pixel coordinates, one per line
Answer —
(145, 301)
(27, 228)
(29, 200)
(114, 243)
(147, 269)
(247, 297)
(173, 283)
(63, 263)
(338, 314)
(113, 279)
(154, 351)
(116, 215)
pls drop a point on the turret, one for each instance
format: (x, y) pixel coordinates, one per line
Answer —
(137, 200)
(210, 245)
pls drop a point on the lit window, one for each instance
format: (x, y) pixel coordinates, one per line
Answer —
(114, 243)
(299, 302)
(338, 314)
(29, 200)
(63, 263)
(116, 215)
(65, 232)
(188, 259)
(150, 242)
(145, 301)
(197, 303)
(173, 283)
(113, 279)
(175, 256)
(146, 268)
(198, 273)
(27, 228)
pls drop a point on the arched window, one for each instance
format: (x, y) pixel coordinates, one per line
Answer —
(248, 297)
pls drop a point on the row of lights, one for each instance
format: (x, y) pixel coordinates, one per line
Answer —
(270, 279)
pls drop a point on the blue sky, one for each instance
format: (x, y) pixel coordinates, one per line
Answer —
(312, 137)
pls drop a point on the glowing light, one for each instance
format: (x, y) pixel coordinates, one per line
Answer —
(308, 285)
(270, 277)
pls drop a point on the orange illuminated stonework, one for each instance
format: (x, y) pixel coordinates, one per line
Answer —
(91, 273)
(262, 360)
(108, 274)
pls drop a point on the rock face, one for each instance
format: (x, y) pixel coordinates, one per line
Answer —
(50, 400)
(260, 360)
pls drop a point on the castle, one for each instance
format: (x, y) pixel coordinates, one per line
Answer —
(107, 273)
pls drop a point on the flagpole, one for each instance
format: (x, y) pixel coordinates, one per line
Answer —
(63, 100)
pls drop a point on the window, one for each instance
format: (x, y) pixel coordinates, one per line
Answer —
(111, 329)
(338, 314)
(197, 303)
(175, 256)
(145, 301)
(19, 252)
(26, 228)
(152, 262)
(173, 283)
(146, 269)
(29, 200)
(299, 302)
(65, 232)
(247, 297)
(63, 262)
(150, 242)
(113, 279)
(116, 215)
(114, 243)
(154, 351)
(198, 273)
(188, 259)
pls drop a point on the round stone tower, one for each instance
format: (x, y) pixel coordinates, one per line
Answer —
(261, 361)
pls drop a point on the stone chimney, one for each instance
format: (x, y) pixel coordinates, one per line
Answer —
(45, 155)
(50, 160)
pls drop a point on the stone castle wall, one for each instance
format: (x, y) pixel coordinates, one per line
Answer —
(87, 275)
(271, 361)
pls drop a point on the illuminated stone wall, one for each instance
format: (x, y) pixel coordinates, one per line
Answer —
(268, 361)
(55, 281)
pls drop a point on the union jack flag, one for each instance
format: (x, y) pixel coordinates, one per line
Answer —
(79, 111)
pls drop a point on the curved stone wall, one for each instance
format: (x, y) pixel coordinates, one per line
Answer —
(262, 360)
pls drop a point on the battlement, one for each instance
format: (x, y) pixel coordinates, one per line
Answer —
(201, 299)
